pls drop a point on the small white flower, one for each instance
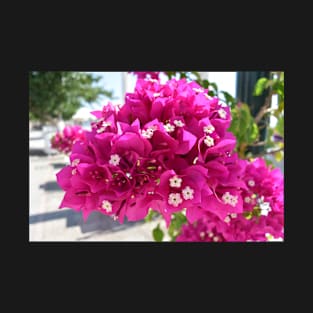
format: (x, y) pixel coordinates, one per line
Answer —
(233, 201)
(74, 171)
(188, 193)
(156, 94)
(247, 199)
(174, 199)
(222, 113)
(169, 127)
(265, 208)
(75, 162)
(175, 182)
(251, 183)
(202, 235)
(106, 124)
(179, 123)
(210, 234)
(230, 199)
(148, 133)
(209, 141)
(115, 159)
(233, 215)
(227, 219)
(215, 238)
(226, 197)
(209, 129)
(100, 130)
(198, 89)
(107, 206)
(152, 80)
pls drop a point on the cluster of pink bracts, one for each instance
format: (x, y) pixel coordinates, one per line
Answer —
(64, 140)
(167, 148)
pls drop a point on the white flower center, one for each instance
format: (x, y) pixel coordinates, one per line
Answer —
(233, 201)
(100, 130)
(233, 215)
(227, 219)
(265, 208)
(169, 127)
(179, 123)
(148, 133)
(174, 199)
(247, 199)
(106, 124)
(222, 113)
(188, 193)
(175, 182)
(115, 159)
(226, 197)
(230, 199)
(209, 129)
(209, 141)
(75, 162)
(251, 183)
(198, 89)
(215, 238)
(106, 205)
(210, 234)
(156, 94)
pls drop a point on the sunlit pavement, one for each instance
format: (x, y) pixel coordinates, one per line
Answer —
(48, 223)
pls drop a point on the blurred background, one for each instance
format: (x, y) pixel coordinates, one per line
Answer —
(58, 99)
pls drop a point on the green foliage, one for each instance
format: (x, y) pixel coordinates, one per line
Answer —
(260, 86)
(158, 233)
(243, 127)
(60, 94)
(178, 219)
(151, 215)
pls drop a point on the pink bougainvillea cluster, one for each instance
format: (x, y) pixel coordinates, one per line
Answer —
(262, 216)
(64, 140)
(143, 75)
(168, 149)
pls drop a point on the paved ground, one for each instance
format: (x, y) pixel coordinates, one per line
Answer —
(48, 223)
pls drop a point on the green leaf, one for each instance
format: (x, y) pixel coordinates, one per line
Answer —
(280, 126)
(229, 99)
(269, 162)
(214, 85)
(244, 120)
(260, 86)
(253, 132)
(197, 75)
(247, 214)
(178, 219)
(204, 83)
(150, 215)
(158, 233)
